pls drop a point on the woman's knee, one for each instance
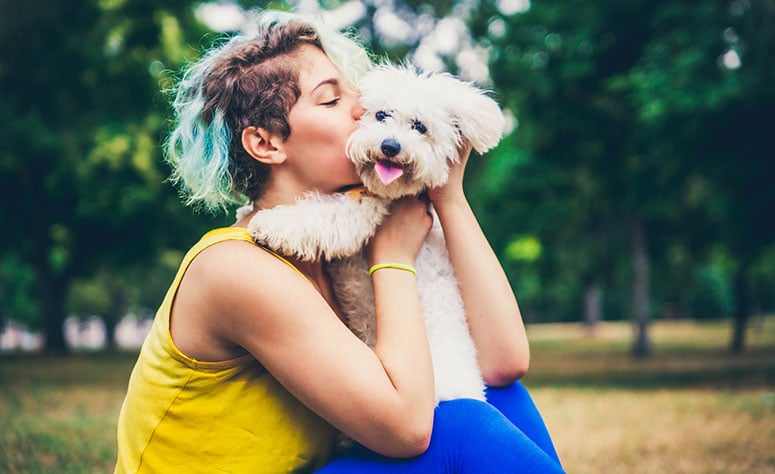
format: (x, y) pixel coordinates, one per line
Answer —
(515, 402)
(465, 415)
(482, 438)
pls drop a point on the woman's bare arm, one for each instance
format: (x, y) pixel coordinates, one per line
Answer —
(383, 398)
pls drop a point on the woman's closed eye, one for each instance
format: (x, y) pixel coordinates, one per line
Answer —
(331, 102)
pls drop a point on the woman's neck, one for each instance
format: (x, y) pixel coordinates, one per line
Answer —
(280, 192)
(270, 198)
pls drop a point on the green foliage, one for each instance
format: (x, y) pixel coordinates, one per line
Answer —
(89, 297)
(523, 249)
(630, 111)
(17, 292)
(655, 112)
(138, 288)
(711, 294)
(763, 272)
(81, 162)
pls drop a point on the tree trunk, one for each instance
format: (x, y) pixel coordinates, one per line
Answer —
(110, 333)
(592, 304)
(51, 296)
(640, 287)
(117, 311)
(51, 286)
(742, 308)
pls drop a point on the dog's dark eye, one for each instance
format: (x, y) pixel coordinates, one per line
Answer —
(381, 116)
(417, 125)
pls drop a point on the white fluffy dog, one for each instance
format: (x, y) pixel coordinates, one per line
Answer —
(411, 131)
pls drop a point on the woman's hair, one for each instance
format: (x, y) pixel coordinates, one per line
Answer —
(250, 80)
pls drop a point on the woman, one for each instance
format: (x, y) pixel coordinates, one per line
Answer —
(248, 367)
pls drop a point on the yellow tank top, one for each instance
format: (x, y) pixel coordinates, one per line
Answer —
(181, 415)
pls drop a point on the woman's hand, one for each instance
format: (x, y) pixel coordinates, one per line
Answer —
(453, 189)
(399, 238)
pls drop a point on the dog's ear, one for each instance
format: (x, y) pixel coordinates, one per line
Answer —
(477, 116)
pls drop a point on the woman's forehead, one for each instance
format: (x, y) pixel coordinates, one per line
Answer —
(316, 68)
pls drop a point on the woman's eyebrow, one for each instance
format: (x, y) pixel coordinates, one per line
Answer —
(332, 82)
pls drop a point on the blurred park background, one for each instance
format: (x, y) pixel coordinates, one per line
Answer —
(631, 202)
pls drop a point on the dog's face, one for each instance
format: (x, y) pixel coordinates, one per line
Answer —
(413, 126)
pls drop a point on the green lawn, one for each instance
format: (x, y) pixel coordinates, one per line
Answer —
(691, 408)
(58, 415)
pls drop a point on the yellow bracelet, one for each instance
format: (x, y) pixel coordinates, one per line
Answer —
(397, 266)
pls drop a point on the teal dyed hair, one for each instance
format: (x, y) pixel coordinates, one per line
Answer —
(199, 155)
(249, 80)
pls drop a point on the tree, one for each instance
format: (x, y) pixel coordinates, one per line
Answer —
(552, 64)
(618, 104)
(82, 175)
(705, 88)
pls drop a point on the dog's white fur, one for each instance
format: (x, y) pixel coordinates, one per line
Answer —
(336, 228)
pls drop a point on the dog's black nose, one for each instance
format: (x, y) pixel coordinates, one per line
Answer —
(390, 147)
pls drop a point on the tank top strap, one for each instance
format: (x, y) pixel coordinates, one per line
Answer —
(223, 234)
(211, 238)
(231, 233)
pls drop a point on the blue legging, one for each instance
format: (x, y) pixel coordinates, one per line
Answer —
(504, 435)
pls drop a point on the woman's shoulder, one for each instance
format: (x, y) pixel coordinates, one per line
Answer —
(228, 284)
(233, 260)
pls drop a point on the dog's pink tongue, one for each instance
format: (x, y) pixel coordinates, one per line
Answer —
(388, 171)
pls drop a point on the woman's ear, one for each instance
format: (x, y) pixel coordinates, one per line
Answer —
(262, 145)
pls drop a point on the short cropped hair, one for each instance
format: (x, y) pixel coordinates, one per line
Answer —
(252, 80)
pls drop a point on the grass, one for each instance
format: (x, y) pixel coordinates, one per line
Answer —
(58, 415)
(661, 431)
(690, 408)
